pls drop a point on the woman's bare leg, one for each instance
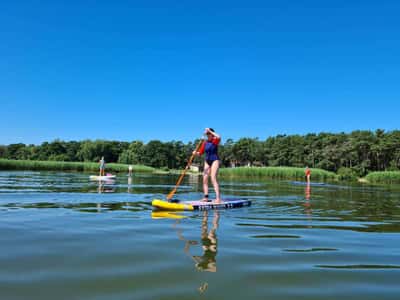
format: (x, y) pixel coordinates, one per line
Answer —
(214, 173)
(206, 173)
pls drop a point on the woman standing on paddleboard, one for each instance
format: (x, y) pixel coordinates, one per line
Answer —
(102, 166)
(211, 163)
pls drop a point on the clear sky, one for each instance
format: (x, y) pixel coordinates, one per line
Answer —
(164, 70)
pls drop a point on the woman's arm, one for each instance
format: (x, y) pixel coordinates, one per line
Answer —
(200, 150)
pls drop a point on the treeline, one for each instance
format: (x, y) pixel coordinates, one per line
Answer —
(356, 153)
(172, 155)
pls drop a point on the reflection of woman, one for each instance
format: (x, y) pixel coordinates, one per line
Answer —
(207, 262)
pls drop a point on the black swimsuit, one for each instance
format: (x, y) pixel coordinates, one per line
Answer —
(211, 151)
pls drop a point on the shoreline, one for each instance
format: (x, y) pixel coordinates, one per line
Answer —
(290, 173)
(44, 165)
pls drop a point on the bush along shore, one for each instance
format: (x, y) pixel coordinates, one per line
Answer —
(389, 177)
(36, 165)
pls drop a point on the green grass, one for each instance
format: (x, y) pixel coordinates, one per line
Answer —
(388, 177)
(277, 173)
(33, 165)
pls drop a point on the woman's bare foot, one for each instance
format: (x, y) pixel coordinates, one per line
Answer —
(205, 199)
(218, 200)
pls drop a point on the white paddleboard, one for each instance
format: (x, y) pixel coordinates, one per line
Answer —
(95, 177)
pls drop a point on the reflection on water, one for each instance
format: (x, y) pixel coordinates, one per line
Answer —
(308, 192)
(208, 243)
(361, 267)
(307, 203)
(56, 182)
(207, 261)
(129, 184)
(106, 186)
(102, 240)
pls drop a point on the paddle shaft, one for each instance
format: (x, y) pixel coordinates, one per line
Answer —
(172, 193)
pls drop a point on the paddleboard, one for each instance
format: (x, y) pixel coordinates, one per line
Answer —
(95, 177)
(199, 205)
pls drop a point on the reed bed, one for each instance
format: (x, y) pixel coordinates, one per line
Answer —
(35, 165)
(388, 177)
(277, 173)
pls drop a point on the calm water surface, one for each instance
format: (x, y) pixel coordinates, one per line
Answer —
(63, 237)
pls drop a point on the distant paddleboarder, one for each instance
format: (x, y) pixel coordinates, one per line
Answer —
(211, 163)
(102, 166)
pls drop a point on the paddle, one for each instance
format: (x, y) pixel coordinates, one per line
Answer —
(172, 193)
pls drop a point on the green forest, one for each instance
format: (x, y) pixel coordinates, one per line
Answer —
(356, 153)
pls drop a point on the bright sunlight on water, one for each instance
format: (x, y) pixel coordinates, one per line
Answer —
(64, 237)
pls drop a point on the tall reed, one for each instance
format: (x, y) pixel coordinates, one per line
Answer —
(388, 177)
(277, 173)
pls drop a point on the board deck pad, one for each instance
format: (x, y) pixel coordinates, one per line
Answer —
(200, 205)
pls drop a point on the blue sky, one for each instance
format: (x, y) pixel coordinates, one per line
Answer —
(146, 70)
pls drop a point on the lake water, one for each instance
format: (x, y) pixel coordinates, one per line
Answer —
(63, 237)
